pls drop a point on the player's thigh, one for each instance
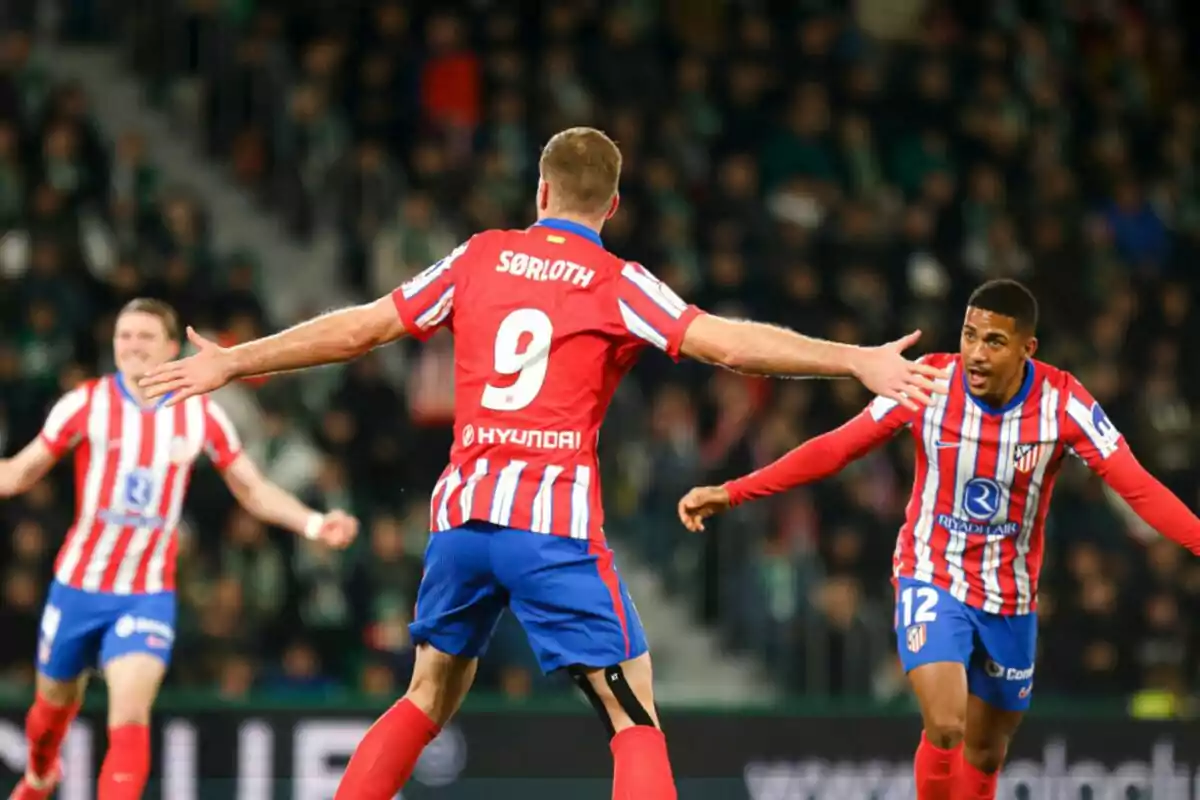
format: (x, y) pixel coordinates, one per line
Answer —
(935, 640)
(440, 682)
(570, 599)
(1001, 671)
(133, 681)
(135, 652)
(69, 639)
(989, 732)
(459, 601)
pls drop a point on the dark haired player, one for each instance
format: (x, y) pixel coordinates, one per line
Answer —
(967, 561)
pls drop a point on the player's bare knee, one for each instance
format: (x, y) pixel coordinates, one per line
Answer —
(61, 693)
(622, 695)
(946, 728)
(986, 758)
(440, 682)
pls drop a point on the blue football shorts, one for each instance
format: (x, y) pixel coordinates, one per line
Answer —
(565, 592)
(82, 630)
(998, 651)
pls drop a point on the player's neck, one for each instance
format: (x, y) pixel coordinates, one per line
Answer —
(132, 391)
(1010, 391)
(594, 223)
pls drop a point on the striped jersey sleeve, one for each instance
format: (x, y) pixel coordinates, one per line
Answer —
(1087, 431)
(650, 311)
(425, 303)
(221, 441)
(67, 422)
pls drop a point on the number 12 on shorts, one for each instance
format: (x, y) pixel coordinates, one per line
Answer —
(918, 605)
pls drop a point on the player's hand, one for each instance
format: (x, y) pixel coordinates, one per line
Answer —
(210, 368)
(885, 371)
(338, 530)
(701, 503)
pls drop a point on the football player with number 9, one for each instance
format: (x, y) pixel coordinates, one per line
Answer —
(546, 322)
(112, 602)
(967, 560)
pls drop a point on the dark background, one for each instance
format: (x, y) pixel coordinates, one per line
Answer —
(852, 170)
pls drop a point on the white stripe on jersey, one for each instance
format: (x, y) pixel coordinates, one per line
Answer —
(931, 430)
(443, 515)
(657, 291)
(164, 432)
(543, 501)
(438, 311)
(89, 501)
(467, 496)
(579, 502)
(640, 327)
(1104, 442)
(64, 410)
(233, 442)
(964, 470)
(1048, 434)
(430, 274)
(505, 493)
(130, 449)
(196, 427)
(881, 406)
(993, 549)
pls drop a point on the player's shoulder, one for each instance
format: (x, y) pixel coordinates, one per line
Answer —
(82, 393)
(940, 360)
(1058, 378)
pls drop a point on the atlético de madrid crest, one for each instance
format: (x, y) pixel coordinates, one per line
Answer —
(1026, 456)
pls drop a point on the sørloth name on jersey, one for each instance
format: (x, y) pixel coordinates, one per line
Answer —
(537, 362)
(530, 267)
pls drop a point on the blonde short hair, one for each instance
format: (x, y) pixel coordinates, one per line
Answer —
(583, 166)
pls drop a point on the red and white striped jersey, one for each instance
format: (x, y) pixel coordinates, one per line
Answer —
(975, 524)
(132, 467)
(546, 322)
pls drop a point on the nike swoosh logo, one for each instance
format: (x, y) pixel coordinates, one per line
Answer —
(946, 445)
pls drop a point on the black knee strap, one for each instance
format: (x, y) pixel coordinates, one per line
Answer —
(614, 678)
(579, 675)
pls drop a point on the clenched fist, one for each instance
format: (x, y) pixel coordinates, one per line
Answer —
(701, 503)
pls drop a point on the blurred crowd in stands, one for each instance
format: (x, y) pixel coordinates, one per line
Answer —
(852, 170)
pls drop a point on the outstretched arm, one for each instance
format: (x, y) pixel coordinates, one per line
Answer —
(1154, 503)
(755, 348)
(1094, 439)
(652, 312)
(417, 308)
(19, 473)
(64, 426)
(328, 339)
(275, 506)
(812, 461)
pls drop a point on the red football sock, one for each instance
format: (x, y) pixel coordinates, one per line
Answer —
(46, 726)
(975, 784)
(937, 771)
(126, 764)
(384, 759)
(641, 767)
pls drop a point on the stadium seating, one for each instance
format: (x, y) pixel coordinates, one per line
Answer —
(852, 177)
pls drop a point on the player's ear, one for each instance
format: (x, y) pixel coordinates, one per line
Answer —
(1031, 346)
(543, 195)
(613, 206)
